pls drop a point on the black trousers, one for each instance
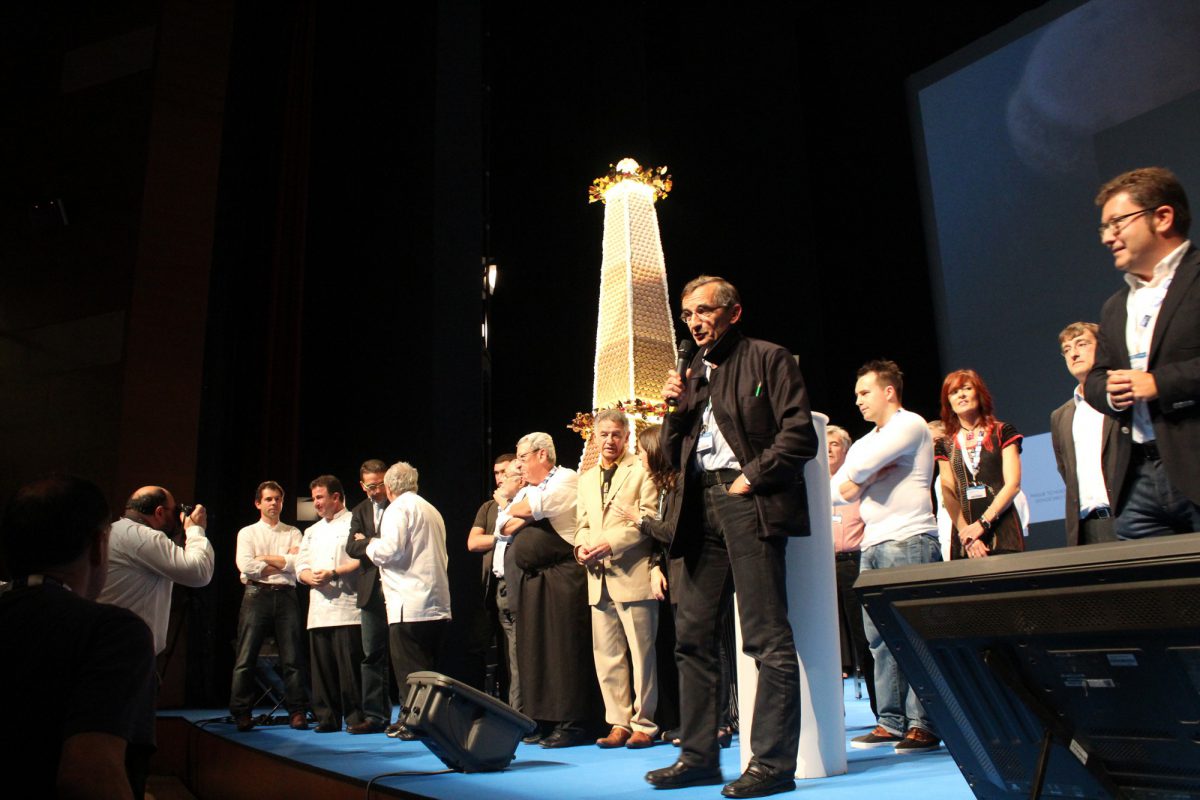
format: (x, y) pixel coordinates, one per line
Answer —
(336, 675)
(729, 548)
(850, 618)
(415, 646)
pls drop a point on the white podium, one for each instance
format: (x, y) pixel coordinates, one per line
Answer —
(812, 610)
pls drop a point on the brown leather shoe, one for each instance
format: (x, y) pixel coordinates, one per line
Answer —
(244, 722)
(298, 721)
(367, 726)
(617, 737)
(639, 740)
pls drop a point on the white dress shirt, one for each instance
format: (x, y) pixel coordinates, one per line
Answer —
(1087, 431)
(896, 506)
(324, 547)
(720, 454)
(554, 499)
(144, 563)
(261, 539)
(1142, 304)
(410, 552)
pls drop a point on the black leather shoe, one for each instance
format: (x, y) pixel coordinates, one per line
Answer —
(757, 781)
(681, 774)
(565, 738)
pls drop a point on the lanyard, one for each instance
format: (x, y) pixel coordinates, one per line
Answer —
(970, 457)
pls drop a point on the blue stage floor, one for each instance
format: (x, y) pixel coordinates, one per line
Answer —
(589, 772)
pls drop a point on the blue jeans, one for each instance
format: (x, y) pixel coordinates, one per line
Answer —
(269, 612)
(1153, 506)
(899, 708)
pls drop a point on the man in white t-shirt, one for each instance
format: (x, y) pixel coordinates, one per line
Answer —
(889, 472)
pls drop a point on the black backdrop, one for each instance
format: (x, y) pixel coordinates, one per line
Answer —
(372, 156)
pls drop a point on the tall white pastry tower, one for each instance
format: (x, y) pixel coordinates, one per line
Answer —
(634, 335)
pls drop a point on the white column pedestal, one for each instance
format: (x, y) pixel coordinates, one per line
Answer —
(812, 609)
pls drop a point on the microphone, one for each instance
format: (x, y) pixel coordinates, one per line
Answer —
(685, 352)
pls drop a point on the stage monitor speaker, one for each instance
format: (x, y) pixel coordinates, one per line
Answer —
(467, 729)
(1065, 673)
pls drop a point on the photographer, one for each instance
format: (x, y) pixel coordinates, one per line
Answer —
(144, 559)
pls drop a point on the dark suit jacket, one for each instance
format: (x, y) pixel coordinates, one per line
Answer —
(362, 520)
(1174, 360)
(1114, 456)
(761, 408)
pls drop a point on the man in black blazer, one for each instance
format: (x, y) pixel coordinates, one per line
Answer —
(1147, 370)
(1091, 448)
(364, 526)
(740, 436)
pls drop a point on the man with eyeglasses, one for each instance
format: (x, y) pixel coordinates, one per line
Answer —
(364, 526)
(741, 435)
(1147, 367)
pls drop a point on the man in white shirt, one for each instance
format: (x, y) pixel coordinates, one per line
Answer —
(334, 620)
(1087, 447)
(144, 561)
(266, 559)
(554, 645)
(410, 552)
(889, 472)
(1147, 369)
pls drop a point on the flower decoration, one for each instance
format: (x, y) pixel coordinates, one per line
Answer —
(657, 178)
(643, 414)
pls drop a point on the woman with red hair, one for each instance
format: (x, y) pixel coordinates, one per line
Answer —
(980, 465)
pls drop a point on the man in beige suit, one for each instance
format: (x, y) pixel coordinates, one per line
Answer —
(617, 557)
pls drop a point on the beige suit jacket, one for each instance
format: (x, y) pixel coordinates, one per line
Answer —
(627, 571)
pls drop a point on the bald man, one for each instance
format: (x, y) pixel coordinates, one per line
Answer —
(144, 560)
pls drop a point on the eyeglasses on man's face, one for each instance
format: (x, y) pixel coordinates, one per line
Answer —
(1116, 222)
(703, 312)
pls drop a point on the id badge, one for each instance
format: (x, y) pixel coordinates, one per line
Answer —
(837, 519)
(705, 443)
(976, 492)
(1138, 361)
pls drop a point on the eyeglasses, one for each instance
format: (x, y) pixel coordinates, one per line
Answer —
(370, 487)
(1115, 222)
(703, 312)
(523, 457)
